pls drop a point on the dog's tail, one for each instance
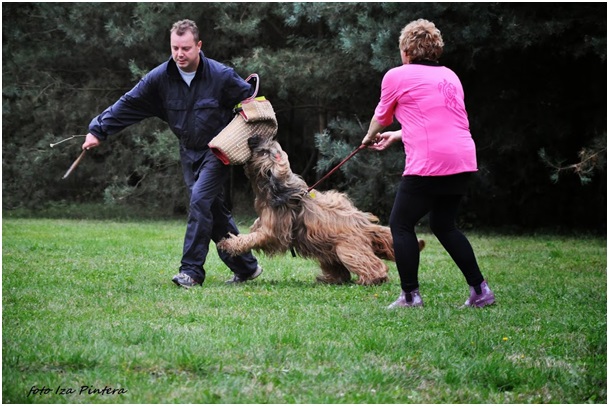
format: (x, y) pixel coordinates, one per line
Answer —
(382, 242)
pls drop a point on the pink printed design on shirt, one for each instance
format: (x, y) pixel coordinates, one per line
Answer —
(449, 91)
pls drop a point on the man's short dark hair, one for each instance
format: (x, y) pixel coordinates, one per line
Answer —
(182, 26)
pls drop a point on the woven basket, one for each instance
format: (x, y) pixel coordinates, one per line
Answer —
(256, 117)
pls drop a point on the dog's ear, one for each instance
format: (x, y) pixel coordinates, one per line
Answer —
(254, 141)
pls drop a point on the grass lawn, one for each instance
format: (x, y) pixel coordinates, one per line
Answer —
(90, 315)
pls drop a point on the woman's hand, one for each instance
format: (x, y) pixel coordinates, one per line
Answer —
(370, 139)
(383, 140)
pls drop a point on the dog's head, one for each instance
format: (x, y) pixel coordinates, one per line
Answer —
(268, 158)
(270, 173)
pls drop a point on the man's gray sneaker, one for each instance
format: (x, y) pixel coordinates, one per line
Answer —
(184, 280)
(242, 278)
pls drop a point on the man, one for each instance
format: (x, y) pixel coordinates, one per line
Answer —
(195, 95)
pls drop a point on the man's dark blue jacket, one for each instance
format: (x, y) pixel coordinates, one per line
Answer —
(195, 114)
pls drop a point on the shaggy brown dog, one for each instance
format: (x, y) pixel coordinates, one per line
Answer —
(321, 225)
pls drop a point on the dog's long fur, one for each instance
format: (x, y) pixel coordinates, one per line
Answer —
(321, 225)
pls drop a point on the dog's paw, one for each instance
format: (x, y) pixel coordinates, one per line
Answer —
(372, 281)
(222, 244)
(226, 244)
(333, 279)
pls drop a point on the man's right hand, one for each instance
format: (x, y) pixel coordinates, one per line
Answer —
(91, 141)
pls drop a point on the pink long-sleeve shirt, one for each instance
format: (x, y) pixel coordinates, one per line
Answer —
(428, 102)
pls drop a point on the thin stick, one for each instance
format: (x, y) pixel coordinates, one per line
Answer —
(67, 139)
(75, 164)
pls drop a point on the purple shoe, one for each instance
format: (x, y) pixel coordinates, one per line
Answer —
(410, 299)
(485, 298)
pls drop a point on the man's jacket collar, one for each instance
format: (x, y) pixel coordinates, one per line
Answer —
(172, 68)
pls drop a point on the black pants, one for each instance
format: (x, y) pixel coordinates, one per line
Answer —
(209, 218)
(411, 204)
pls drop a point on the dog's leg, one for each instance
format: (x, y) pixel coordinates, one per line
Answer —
(360, 260)
(242, 243)
(382, 243)
(333, 273)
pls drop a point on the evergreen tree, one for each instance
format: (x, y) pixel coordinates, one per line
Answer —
(534, 76)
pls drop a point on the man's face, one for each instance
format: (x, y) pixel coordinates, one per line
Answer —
(185, 51)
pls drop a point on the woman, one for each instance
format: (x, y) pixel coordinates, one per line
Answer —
(427, 100)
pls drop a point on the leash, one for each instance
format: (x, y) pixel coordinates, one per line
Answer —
(351, 155)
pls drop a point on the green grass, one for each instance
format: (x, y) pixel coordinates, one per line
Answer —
(92, 303)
